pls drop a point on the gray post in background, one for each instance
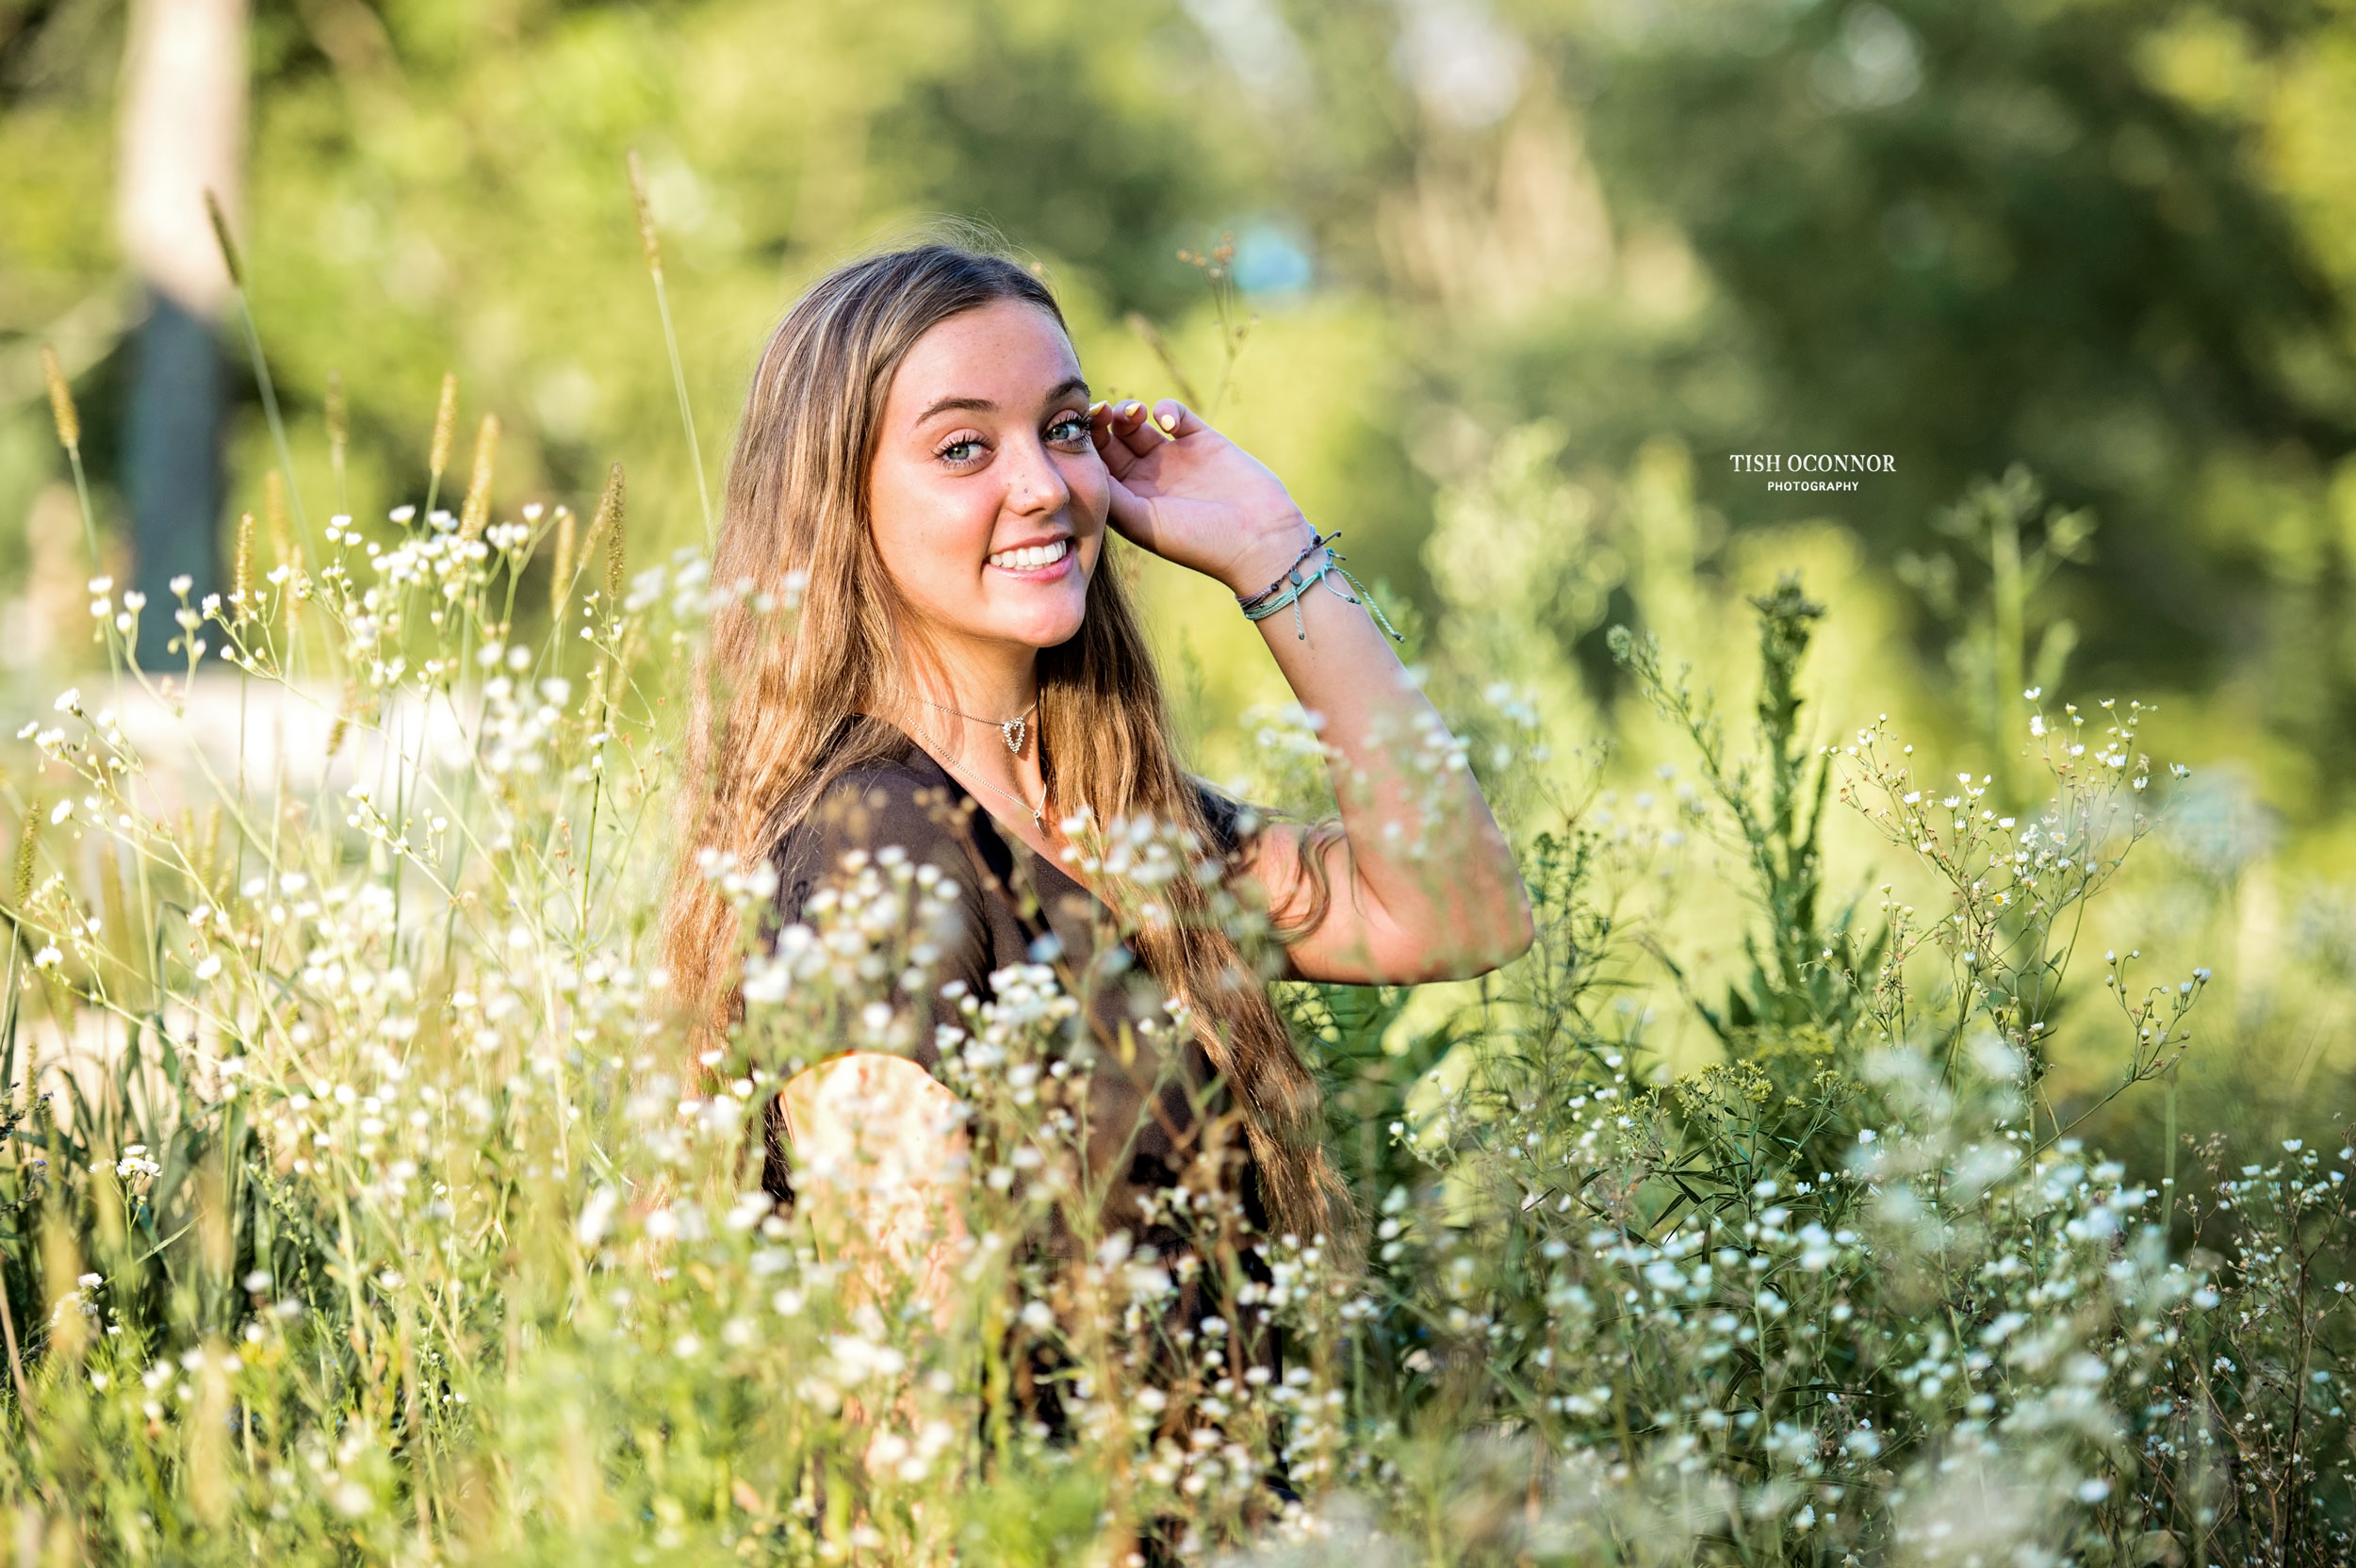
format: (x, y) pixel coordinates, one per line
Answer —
(171, 461)
(183, 129)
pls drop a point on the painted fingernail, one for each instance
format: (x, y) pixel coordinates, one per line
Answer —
(1135, 410)
(1169, 421)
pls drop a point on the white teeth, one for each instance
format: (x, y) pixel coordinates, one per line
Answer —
(1032, 557)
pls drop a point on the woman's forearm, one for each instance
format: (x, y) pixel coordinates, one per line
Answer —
(1425, 885)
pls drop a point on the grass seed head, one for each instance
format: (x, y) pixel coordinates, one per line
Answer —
(27, 856)
(342, 726)
(208, 849)
(445, 425)
(561, 579)
(476, 515)
(61, 407)
(647, 237)
(241, 583)
(608, 527)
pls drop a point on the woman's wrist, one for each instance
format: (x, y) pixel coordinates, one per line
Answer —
(1260, 564)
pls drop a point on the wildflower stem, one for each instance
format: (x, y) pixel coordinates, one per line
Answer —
(270, 405)
(403, 772)
(7, 1088)
(686, 414)
(243, 687)
(2167, 1154)
(231, 257)
(466, 801)
(589, 843)
(445, 428)
(16, 1362)
(2011, 597)
(338, 436)
(652, 245)
(90, 536)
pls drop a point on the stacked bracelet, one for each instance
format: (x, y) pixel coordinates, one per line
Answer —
(1287, 590)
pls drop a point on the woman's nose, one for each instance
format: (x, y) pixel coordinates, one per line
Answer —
(1035, 484)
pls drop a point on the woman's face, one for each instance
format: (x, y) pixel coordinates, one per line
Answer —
(988, 497)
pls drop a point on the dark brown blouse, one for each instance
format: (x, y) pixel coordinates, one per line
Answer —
(1154, 1103)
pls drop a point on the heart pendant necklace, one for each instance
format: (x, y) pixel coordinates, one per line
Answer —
(1011, 731)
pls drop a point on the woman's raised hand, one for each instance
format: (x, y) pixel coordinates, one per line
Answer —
(1191, 495)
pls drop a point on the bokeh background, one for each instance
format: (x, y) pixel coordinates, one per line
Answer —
(1510, 285)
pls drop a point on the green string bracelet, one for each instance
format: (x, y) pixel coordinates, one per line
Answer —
(1287, 590)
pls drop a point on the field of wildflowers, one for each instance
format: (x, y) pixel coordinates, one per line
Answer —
(358, 1202)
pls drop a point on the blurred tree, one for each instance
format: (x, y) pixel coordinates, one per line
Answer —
(2115, 243)
(2088, 237)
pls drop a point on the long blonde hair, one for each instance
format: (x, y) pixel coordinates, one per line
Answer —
(772, 698)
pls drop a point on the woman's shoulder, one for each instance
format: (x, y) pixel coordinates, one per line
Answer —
(885, 796)
(894, 794)
(878, 800)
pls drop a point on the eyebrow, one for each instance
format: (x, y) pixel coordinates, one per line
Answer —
(1067, 387)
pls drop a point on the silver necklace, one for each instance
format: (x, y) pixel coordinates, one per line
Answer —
(1037, 819)
(1011, 731)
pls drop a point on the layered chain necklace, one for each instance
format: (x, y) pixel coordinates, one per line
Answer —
(1037, 819)
(1013, 731)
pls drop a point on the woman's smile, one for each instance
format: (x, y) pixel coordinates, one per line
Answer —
(1040, 562)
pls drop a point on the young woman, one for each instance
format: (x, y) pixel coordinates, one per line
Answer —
(966, 672)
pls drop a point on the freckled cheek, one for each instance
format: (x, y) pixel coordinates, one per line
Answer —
(1091, 488)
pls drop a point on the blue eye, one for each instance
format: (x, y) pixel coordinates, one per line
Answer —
(960, 451)
(1068, 428)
